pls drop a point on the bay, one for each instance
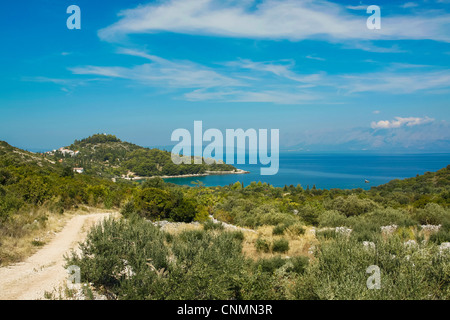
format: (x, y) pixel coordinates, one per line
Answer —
(327, 171)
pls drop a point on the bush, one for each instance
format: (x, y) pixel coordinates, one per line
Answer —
(128, 209)
(237, 235)
(351, 205)
(295, 264)
(440, 237)
(154, 203)
(298, 264)
(136, 260)
(184, 212)
(339, 272)
(332, 218)
(262, 245)
(326, 234)
(280, 245)
(211, 225)
(270, 264)
(309, 214)
(279, 229)
(433, 213)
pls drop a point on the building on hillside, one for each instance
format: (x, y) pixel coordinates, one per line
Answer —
(69, 152)
(78, 170)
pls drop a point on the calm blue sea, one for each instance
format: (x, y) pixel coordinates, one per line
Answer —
(326, 171)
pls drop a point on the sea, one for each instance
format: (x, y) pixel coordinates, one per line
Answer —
(328, 171)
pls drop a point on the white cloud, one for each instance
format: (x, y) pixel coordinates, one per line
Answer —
(278, 81)
(399, 122)
(369, 47)
(162, 73)
(281, 68)
(360, 7)
(315, 58)
(262, 96)
(409, 5)
(270, 19)
(395, 82)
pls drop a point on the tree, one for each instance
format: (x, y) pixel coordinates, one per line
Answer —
(67, 172)
(154, 203)
(184, 212)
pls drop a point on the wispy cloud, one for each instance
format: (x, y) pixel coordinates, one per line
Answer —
(409, 5)
(262, 96)
(279, 81)
(270, 19)
(359, 7)
(67, 85)
(370, 47)
(282, 68)
(315, 58)
(396, 82)
(399, 122)
(162, 73)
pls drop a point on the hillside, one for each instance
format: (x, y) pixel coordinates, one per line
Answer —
(35, 191)
(10, 155)
(417, 191)
(108, 156)
(426, 183)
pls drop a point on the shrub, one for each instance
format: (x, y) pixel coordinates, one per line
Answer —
(326, 234)
(262, 245)
(192, 235)
(184, 212)
(211, 225)
(270, 264)
(128, 209)
(352, 205)
(339, 272)
(309, 214)
(237, 235)
(440, 237)
(136, 260)
(279, 229)
(296, 229)
(280, 245)
(154, 203)
(433, 213)
(298, 264)
(332, 218)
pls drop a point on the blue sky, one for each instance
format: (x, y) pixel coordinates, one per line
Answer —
(141, 69)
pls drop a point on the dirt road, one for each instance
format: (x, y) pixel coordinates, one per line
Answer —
(45, 271)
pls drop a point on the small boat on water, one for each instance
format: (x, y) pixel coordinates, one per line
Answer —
(366, 181)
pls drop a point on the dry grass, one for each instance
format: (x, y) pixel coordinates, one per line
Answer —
(180, 227)
(298, 244)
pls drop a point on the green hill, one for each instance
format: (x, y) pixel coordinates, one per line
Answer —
(419, 190)
(108, 156)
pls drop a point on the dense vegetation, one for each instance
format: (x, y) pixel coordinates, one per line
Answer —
(132, 259)
(32, 188)
(108, 156)
(353, 230)
(331, 236)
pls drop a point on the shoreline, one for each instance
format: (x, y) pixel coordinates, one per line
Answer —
(207, 173)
